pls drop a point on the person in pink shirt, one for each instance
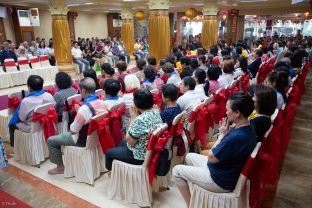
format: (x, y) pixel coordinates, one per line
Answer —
(212, 84)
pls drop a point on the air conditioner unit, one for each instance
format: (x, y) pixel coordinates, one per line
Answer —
(23, 18)
(34, 17)
(29, 17)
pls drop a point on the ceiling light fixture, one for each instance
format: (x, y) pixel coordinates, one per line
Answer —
(71, 5)
(89, 3)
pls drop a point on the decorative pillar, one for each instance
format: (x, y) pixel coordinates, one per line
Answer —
(240, 27)
(159, 28)
(209, 34)
(127, 31)
(61, 35)
(232, 26)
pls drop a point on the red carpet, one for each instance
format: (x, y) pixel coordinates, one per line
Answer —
(7, 200)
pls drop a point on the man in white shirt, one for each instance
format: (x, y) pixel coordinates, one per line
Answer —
(108, 52)
(78, 59)
(189, 98)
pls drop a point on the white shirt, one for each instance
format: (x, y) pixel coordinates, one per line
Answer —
(128, 100)
(174, 79)
(199, 89)
(225, 79)
(188, 101)
(77, 53)
(107, 51)
(110, 103)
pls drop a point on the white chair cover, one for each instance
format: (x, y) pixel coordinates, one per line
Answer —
(130, 182)
(23, 67)
(35, 65)
(126, 178)
(62, 127)
(4, 120)
(85, 163)
(5, 80)
(31, 147)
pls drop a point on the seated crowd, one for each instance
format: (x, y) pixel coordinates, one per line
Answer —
(183, 82)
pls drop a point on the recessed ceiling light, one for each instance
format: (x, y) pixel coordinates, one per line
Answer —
(89, 3)
(115, 9)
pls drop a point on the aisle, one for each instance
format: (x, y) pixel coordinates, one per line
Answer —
(295, 183)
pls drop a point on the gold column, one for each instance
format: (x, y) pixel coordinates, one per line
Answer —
(127, 31)
(61, 35)
(209, 34)
(159, 29)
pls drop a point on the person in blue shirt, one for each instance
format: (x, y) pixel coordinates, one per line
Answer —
(7, 53)
(220, 171)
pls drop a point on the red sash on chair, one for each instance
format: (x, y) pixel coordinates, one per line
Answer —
(156, 144)
(102, 127)
(262, 73)
(22, 62)
(245, 83)
(13, 102)
(34, 60)
(50, 90)
(72, 106)
(44, 58)
(115, 124)
(47, 121)
(217, 107)
(9, 63)
(200, 125)
(176, 131)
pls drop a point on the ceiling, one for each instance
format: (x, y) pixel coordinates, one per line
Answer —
(252, 7)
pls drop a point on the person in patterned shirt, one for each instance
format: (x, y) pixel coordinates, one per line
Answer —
(143, 121)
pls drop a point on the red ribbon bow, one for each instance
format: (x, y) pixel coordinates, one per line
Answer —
(72, 106)
(176, 130)
(115, 124)
(75, 86)
(245, 83)
(13, 102)
(156, 145)
(50, 90)
(217, 107)
(105, 138)
(47, 121)
(200, 125)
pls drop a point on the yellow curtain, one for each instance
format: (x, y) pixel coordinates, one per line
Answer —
(61, 40)
(209, 34)
(159, 35)
(127, 35)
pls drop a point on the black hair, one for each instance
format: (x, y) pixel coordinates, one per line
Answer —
(63, 80)
(224, 53)
(111, 87)
(214, 50)
(281, 81)
(185, 60)
(149, 73)
(264, 49)
(143, 99)
(151, 60)
(170, 91)
(140, 63)
(162, 62)
(213, 72)
(202, 58)
(266, 99)
(190, 82)
(194, 63)
(35, 82)
(280, 64)
(108, 69)
(239, 50)
(200, 75)
(259, 52)
(92, 74)
(243, 64)
(243, 103)
(171, 58)
(75, 42)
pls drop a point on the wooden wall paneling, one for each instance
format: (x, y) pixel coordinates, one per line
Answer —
(2, 30)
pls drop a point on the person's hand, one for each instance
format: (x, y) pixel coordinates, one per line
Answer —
(133, 111)
(77, 107)
(224, 127)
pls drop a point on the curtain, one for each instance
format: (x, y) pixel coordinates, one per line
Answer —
(127, 35)
(159, 35)
(61, 40)
(209, 32)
